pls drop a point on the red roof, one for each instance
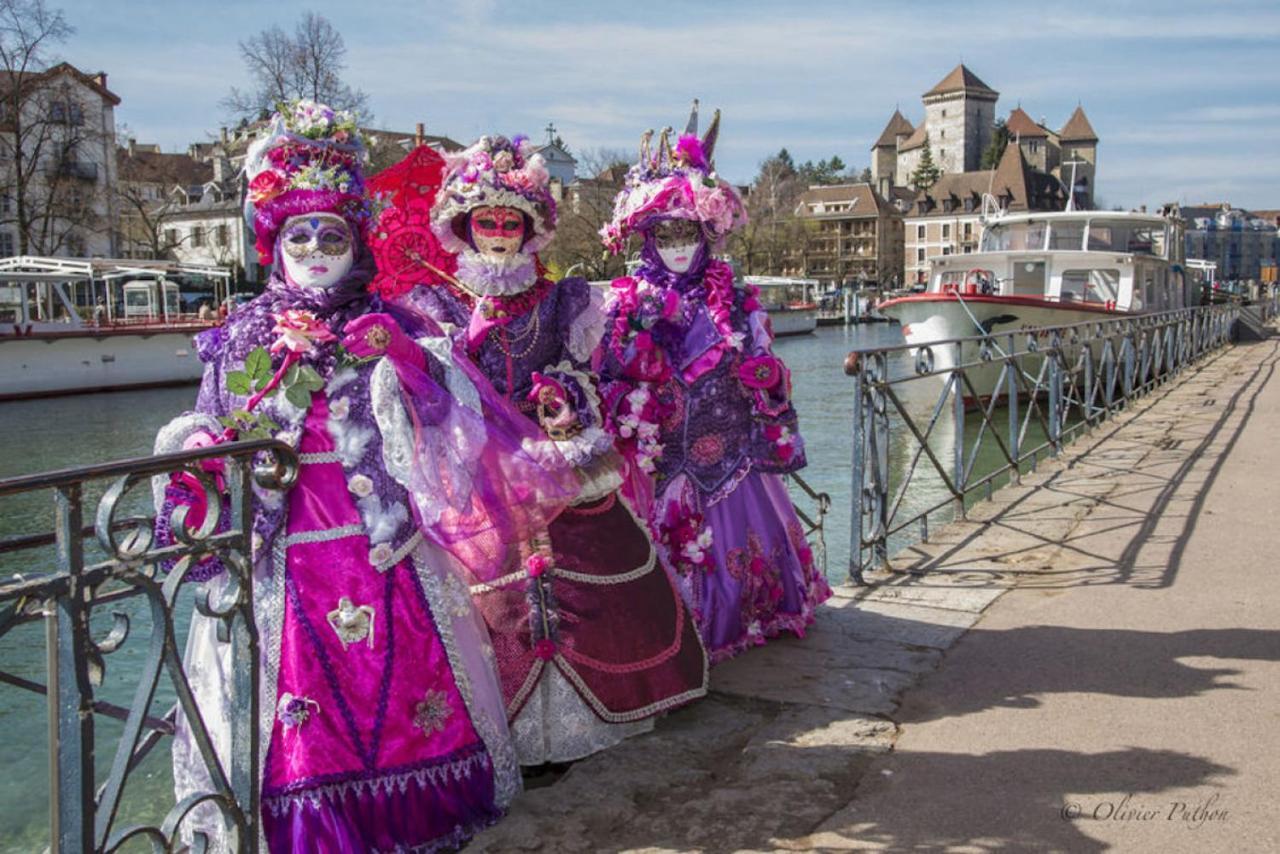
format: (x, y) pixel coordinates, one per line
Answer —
(897, 126)
(1077, 128)
(961, 79)
(1021, 125)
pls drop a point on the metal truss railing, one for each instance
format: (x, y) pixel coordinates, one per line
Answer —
(84, 810)
(937, 424)
(814, 519)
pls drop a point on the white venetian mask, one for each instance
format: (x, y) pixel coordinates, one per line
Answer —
(317, 250)
(677, 242)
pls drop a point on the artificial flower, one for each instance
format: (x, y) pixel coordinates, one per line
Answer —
(299, 332)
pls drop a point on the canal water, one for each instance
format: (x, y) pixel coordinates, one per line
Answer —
(66, 432)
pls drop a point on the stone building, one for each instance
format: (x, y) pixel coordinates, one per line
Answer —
(1240, 242)
(856, 237)
(57, 153)
(957, 129)
(946, 219)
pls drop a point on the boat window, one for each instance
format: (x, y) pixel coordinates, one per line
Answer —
(1098, 285)
(1066, 235)
(1139, 238)
(1013, 237)
(10, 304)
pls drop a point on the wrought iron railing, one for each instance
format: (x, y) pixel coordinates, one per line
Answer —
(814, 519)
(84, 812)
(935, 425)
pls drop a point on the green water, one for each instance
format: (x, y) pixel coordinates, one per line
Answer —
(67, 432)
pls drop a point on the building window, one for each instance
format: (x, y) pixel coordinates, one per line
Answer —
(944, 114)
(946, 230)
(920, 255)
(968, 230)
(946, 250)
(220, 236)
(942, 134)
(197, 235)
(171, 236)
(7, 248)
(919, 232)
(6, 203)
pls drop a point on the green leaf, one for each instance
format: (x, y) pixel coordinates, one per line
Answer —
(228, 421)
(258, 365)
(243, 414)
(298, 396)
(268, 423)
(238, 383)
(256, 433)
(290, 376)
(309, 379)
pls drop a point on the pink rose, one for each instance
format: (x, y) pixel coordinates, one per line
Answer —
(299, 332)
(537, 564)
(266, 185)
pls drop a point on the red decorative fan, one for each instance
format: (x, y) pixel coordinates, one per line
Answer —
(406, 251)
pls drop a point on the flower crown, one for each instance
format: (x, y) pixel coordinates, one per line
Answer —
(675, 183)
(495, 171)
(308, 159)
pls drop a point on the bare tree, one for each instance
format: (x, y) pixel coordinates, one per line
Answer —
(587, 205)
(307, 64)
(774, 237)
(142, 219)
(47, 178)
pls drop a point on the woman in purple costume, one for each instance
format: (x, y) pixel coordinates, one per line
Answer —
(382, 725)
(701, 406)
(592, 639)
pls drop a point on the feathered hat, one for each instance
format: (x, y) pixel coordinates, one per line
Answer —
(308, 159)
(495, 171)
(676, 183)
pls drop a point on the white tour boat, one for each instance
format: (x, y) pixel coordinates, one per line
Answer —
(789, 302)
(1045, 269)
(69, 325)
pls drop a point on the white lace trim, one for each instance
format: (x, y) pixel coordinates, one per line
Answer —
(459, 384)
(496, 276)
(457, 770)
(319, 458)
(637, 714)
(321, 536)
(587, 329)
(555, 725)
(400, 553)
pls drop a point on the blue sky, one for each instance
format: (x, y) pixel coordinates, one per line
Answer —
(1184, 96)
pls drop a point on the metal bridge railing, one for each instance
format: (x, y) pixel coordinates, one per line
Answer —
(936, 424)
(84, 811)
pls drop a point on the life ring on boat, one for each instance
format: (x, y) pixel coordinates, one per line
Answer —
(977, 281)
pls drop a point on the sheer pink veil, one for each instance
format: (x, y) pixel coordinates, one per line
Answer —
(483, 478)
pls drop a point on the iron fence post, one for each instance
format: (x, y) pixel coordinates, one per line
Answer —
(957, 377)
(881, 438)
(71, 788)
(245, 771)
(1055, 397)
(1011, 384)
(858, 479)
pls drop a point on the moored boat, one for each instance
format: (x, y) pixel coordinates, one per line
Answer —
(69, 326)
(789, 303)
(1044, 269)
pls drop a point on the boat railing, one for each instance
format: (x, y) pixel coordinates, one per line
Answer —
(80, 586)
(938, 425)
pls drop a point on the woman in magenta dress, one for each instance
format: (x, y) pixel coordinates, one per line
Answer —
(592, 639)
(701, 406)
(382, 720)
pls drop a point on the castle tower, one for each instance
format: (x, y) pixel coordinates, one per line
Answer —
(1079, 144)
(884, 154)
(959, 114)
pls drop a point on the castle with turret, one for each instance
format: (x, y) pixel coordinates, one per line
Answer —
(1039, 169)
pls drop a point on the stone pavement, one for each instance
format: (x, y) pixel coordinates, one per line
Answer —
(1123, 693)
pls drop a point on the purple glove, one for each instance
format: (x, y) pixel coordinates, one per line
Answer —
(380, 335)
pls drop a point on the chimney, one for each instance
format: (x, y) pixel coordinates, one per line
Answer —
(132, 144)
(224, 136)
(220, 168)
(419, 134)
(101, 79)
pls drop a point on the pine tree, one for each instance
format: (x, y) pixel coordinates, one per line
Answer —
(927, 172)
(995, 150)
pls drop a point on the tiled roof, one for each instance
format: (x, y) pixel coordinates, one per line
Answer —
(1020, 124)
(1077, 128)
(897, 126)
(862, 198)
(1012, 181)
(917, 139)
(961, 79)
(150, 167)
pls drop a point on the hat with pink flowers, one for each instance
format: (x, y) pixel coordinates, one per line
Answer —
(308, 159)
(676, 183)
(495, 172)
